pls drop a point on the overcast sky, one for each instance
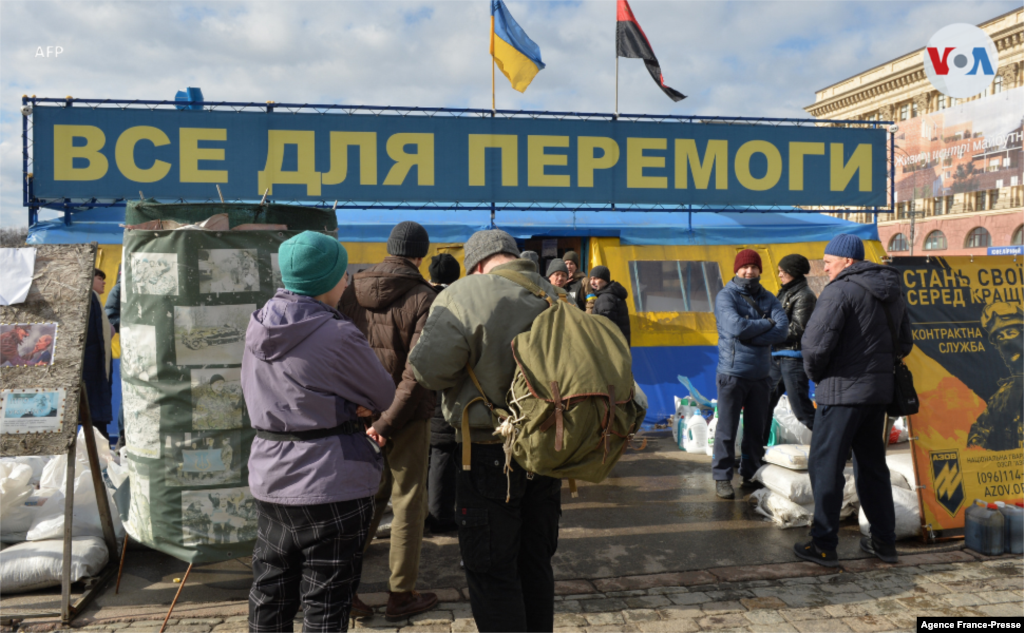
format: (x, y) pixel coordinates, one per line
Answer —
(753, 58)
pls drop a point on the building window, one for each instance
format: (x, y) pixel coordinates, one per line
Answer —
(993, 198)
(901, 212)
(942, 102)
(979, 201)
(674, 286)
(949, 204)
(913, 109)
(904, 111)
(938, 206)
(978, 238)
(898, 243)
(1018, 236)
(997, 85)
(936, 241)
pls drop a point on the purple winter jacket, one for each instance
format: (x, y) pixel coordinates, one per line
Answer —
(305, 367)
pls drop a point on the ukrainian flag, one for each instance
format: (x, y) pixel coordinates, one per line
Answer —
(516, 54)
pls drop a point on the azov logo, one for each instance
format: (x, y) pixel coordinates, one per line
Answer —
(960, 60)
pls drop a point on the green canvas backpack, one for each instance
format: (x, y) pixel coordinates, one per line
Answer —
(571, 408)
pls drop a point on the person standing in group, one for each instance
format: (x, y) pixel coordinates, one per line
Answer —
(558, 274)
(96, 360)
(578, 284)
(444, 271)
(750, 320)
(787, 369)
(610, 299)
(533, 257)
(508, 524)
(389, 303)
(848, 351)
(112, 308)
(309, 378)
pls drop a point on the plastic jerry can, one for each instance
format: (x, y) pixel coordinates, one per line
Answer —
(696, 434)
(983, 528)
(1013, 528)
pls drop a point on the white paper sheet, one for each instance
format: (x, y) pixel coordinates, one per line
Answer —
(18, 265)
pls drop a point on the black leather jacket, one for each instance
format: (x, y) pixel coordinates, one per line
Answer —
(798, 301)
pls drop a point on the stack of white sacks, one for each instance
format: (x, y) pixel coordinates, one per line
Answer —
(787, 499)
(32, 517)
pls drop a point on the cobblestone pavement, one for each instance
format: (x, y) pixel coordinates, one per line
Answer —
(864, 596)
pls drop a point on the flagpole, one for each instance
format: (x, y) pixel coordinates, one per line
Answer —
(616, 85)
(493, 108)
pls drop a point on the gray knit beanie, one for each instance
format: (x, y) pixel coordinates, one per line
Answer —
(408, 239)
(533, 257)
(483, 244)
(557, 266)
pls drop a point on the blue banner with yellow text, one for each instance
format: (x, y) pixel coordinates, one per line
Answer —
(111, 153)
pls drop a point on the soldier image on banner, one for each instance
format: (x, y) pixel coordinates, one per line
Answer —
(217, 401)
(999, 428)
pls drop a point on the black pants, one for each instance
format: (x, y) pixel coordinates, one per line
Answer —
(788, 377)
(308, 554)
(750, 396)
(441, 483)
(837, 429)
(507, 546)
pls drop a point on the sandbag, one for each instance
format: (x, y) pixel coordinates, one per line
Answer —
(792, 456)
(787, 514)
(35, 462)
(908, 515)
(786, 429)
(903, 463)
(15, 488)
(796, 485)
(39, 564)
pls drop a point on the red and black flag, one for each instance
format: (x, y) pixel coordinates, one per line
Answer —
(631, 42)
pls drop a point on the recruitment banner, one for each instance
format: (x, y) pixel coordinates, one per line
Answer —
(964, 148)
(968, 364)
(81, 152)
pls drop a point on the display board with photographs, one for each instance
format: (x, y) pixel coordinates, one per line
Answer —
(184, 317)
(42, 343)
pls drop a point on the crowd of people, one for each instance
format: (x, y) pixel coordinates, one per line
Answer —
(361, 390)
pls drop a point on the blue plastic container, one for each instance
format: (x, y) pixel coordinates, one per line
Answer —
(1013, 528)
(983, 528)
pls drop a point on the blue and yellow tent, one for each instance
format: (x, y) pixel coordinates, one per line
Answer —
(672, 264)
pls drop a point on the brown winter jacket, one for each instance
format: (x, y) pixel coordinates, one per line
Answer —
(389, 303)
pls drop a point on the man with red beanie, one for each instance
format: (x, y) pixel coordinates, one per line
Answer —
(750, 320)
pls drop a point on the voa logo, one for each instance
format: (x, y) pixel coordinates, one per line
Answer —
(960, 60)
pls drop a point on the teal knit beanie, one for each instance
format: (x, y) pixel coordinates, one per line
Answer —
(311, 263)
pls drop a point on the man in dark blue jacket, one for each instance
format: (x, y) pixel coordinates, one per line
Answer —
(750, 320)
(848, 352)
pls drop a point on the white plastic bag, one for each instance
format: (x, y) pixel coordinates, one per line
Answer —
(789, 430)
(780, 510)
(792, 456)
(908, 515)
(695, 435)
(793, 485)
(902, 463)
(39, 564)
(117, 473)
(35, 462)
(15, 488)
(712, 427)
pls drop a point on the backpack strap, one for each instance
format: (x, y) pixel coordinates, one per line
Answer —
(466, 443)
(524, 281)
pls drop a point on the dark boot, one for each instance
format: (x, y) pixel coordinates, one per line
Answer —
(809, 551)
(359, 608)
(887, 553)
(724, 490)
(403, 604)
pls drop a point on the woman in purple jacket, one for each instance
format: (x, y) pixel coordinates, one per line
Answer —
(308, 376)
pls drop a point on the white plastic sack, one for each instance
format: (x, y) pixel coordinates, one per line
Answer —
(792, 456)
(14, 525)
(789, 430)
(903, 464)
(117, 473)
(695, 434)
(712, 427)
(790, 484)
(787, 514)
(908, 515)
(35, 462)
(39, 564)
(15, 488)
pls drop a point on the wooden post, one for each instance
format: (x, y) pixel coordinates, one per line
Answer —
(102, 501)
(69, 511)
(175, 601)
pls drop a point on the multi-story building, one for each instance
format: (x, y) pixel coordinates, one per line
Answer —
(958, 162)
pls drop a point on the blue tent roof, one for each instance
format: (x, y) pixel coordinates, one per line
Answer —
(631, 227)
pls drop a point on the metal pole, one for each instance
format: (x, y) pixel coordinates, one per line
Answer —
(493, 64)
(616, 85)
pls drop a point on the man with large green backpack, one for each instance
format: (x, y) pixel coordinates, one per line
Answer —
(500, 345)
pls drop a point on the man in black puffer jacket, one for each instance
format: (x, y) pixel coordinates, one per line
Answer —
(611, 298)
(444, 271)
(787, 368)
(848, 351)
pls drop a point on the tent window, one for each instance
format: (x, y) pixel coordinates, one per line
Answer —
(674, 286)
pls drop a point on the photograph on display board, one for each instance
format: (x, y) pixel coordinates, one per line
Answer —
(217, 401)
(27, 344)
(203, 459)
(211, 517)
(228, 270)
(155, 273)
(141, 419)
(210, 335)
(138, 352)
(276, 268)
(31, 410)
(140, 523)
